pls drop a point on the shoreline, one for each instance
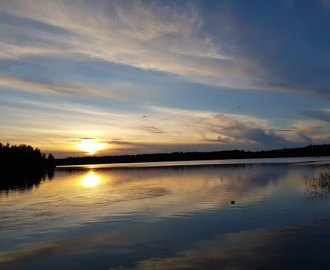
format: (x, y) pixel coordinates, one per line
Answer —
(185, 163)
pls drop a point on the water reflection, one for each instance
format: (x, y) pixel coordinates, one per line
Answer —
(23, 180)
(293, 247)
(166, 192)
(162, 218)
(91, 180)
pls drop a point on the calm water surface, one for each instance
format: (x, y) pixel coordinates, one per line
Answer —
(170, 216)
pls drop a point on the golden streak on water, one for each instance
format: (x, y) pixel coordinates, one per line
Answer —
(91, 180)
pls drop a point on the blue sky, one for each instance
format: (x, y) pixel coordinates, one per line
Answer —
(162, 76)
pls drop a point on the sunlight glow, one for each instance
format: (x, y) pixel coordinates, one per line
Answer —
(91, 180)
(90, 146)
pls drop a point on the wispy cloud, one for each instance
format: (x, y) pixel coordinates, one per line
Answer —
(319, 114)
(66, 89)
(164, 130)
(147, 35)
(217, 127)
(312, 132)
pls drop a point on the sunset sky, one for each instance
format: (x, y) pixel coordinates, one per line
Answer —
(161, 76)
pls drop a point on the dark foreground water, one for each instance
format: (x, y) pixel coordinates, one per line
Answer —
(170, 217)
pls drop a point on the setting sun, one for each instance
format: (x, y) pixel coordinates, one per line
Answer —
(90, 146)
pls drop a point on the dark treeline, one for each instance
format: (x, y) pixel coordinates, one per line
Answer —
(312, 150)
(23, 166)
(23, 157)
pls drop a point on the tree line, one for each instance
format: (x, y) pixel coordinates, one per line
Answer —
(23, 166)
(311, 150)
(24, 156)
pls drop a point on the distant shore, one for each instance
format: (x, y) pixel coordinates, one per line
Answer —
(307, 151)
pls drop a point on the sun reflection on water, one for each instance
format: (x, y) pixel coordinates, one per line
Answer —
(91, 180)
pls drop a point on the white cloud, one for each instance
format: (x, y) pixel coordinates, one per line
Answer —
(152, 35)
(67, 89)
(312, 132)
(147, 36)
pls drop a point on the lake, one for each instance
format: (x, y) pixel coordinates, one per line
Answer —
(234, 214)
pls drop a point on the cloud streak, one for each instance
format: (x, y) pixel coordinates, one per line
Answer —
(319, 114)
(146, 35)
(65, 89)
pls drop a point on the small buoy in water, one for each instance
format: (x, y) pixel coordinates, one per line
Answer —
(232, 202)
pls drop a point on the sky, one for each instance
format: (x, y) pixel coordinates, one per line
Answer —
(126, 77)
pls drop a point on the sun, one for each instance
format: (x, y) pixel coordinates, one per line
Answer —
(90, 146)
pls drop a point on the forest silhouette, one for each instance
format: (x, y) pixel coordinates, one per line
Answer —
(22, 166)
(308, 151)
